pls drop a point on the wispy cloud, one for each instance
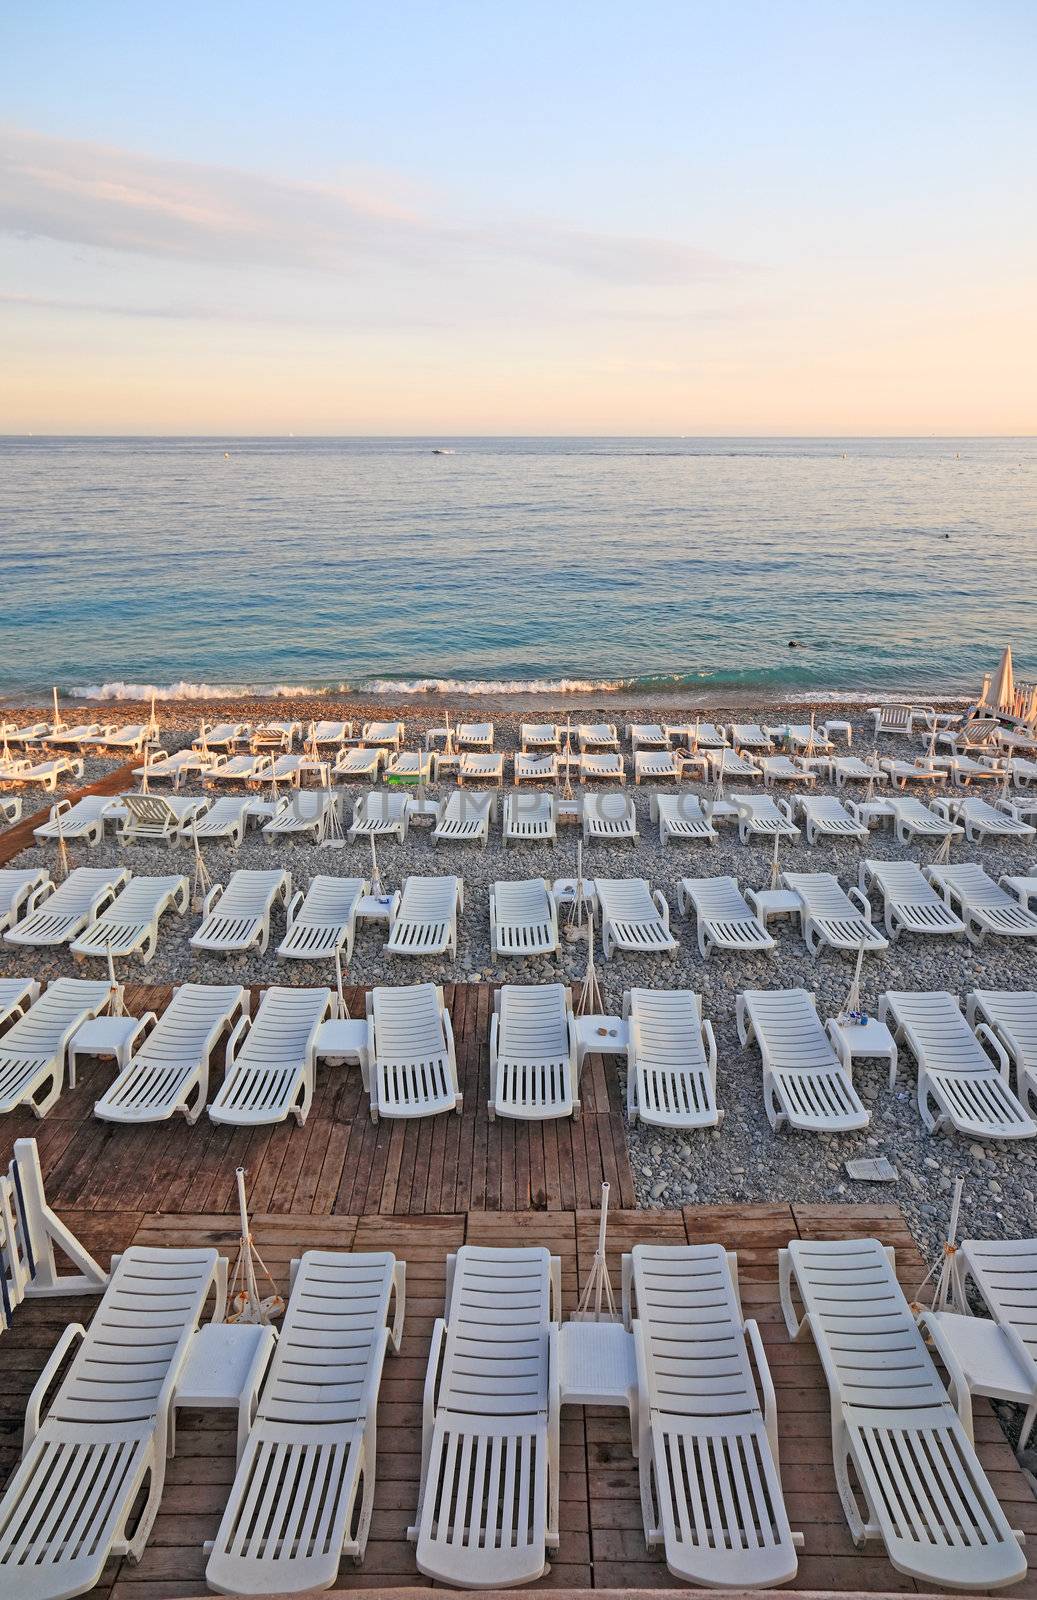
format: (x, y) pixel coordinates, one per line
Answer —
(106, 198)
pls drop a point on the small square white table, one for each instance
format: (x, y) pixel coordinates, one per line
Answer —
(107, 1036)
(597, 1367)
(836, 725)
(565, 893)
(720, 810)
(985, 1356)
(224, 1370)
(374, 907)
(874, 812)
(869, 1040)
(344, 1039)
(1024, 889)
(770, 903)
(600, 1036)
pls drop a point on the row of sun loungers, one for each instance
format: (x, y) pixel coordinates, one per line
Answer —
(487, 1513)
(966, 1063)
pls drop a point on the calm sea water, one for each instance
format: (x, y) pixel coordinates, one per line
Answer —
(674, 563)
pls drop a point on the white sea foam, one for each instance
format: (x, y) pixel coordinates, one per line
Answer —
(118, 690)
(492, 685)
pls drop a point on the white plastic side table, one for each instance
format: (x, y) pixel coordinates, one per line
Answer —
(597, 1367)
(1024, 889)
(721, 811)
(836, 725)
(872, 812)
(986, 1359)
(107, 1036)
(600, 1036)
(343, 1039)
(869, 1040)
(565, 894)
(374, 907)
(770, 903)
(224, 1369)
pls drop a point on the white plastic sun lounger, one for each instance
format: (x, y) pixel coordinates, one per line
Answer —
(983, 821)
(308, 811)
(911, 904)
(540, 736)
(133, 737)
(602, 767)
(412, 766)
(48, 773)
(851, 769)
(534, 1061)
(656, 765)
(328, 733)
(175, 766)
(597, 736)
(271, 1062)
(324, 920)
(276, 735)
(706, 735)
(72, 907)
(829, 915)
(410, 1047)
(965, 771)
(970, 1092)
(481, 767)
(378, 815)
(159, 819)
(130, 924)
(32, 733)
(632, 917)
(314, 1431)
(984, 906)
(523, 918)
(901, 773)
(805, 1085)
(801, 736)
(464, 817)
(488, 1497)
(81, 823)
(1023, 771)
(239, 769)
(671, 1060)
(925, 1494)
(725, 921)
(359, 763)
(21, 891)
(711, 1492)
(424, 920)
(912, 820)
(16, 996)
(225, 821)
(780, 769)
(760, 816)
(32, 1052)
(646, 736)
(825, 818)
(387, 734)
(474, 736)
(223, 735)
(901, 719)
(1004, 1272)
(610, 817)
(58, 738)
(10, 810)
(238, 916)
(169, 1072)
(533, 768)
(680, 816)
(1013, 1018)
(750, 736)
(530, 819)
(69, 1506)
(729, 764)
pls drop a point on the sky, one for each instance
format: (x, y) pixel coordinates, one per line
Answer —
(782, 217)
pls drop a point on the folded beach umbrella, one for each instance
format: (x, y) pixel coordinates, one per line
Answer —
(1004, 688)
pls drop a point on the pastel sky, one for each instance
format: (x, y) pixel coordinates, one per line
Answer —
(681, 217)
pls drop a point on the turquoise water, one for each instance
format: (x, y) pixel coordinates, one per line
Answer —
(680, 563)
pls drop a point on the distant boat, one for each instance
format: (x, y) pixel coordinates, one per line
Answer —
(444, 452)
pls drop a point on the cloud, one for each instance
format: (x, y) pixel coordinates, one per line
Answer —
(106, 198)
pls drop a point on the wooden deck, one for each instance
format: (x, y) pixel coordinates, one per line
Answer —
(13, 840)
(602, 1544)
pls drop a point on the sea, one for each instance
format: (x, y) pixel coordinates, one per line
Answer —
(696, 568)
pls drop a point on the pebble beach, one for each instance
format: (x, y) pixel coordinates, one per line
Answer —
(743, 1161)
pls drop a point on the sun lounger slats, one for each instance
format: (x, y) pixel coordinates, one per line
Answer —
(130, 924)
(32, 1052)
(83, 822)
(958, 1083)
(464, 817)
(911, 904)
(608, 816)
(71, 908)
(912, 820)
(523, 918)
(927, 1497)
(805, 1085)
(824, 817)
(1013, 1018)
(237, 917)
(761, 816)
(224, 822)
(681, 817)
(530, 819)
(21, 890)
(424, 923)
(324, 920)
(983, 905)
(632, 917)
(831, 916)
(710, 1490)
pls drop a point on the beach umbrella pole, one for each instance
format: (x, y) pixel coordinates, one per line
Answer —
(597, 1302)
(246, 1303)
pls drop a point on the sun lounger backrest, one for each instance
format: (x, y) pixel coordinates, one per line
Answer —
(788, 1028)
(285, 1024)
(428, 899)
(1005, 1272)
(339, 1303)
(691, 1323)
(1014, 1016)
(182, 1031)
(718, 898)
(975, 887)
(154, 1297)
(863, 1327)
(626, 899)
(821, 894)
(903, 880)
(534, 1020)
(140, 899)
(666, 1026)
(331, 899)
(248, 894)
(523, 900)
(408, 1021)
(498, 1315)
(937, 1031)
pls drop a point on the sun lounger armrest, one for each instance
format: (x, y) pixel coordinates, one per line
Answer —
(292, 909)
(929, 1323)
(765, 1384)
(941, 807)
(644, 1401)
(860, 899)
(42, 892)
(34, 1406)
(986, 1035)
(431, 1389)
(709, 1043)
(235, 1036)
(211, 898)
(785, 808)
(554, 1409)
(372, 1383)
(661, 903)
(574, 1049)
(627, 1288)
